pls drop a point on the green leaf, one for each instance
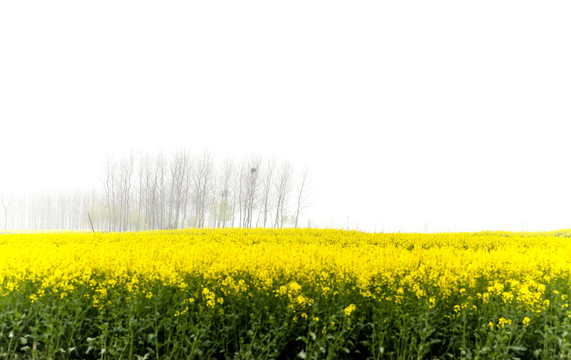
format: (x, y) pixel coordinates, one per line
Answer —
(518, 348)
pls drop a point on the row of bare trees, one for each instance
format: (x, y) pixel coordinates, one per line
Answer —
(155, 191)
(62, 210)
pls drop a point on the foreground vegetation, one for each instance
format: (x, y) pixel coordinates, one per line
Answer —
(284, 294)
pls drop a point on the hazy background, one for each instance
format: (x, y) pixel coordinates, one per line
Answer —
(410, 115)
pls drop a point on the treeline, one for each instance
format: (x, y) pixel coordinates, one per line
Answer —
(62, 210)
(183, 190)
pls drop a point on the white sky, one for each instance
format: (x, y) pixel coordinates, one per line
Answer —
(411, 115)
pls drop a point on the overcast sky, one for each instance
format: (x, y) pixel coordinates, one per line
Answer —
(410, 115)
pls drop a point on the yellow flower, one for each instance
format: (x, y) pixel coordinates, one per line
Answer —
(432, 302)
(349, 309)
(503, 321)
(294, 287)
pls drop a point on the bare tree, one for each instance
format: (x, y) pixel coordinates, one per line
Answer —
(125, 183)
(301, 195)
(250, 182)
(268, 172)
(201, 187)
(187, 186)
(141, 190)
(282, 191)
(224, 191)
(5, 205)
(236, 198)
(109, 192)
(179, 187)
(240, 194)
(162, 194)
(153, 192)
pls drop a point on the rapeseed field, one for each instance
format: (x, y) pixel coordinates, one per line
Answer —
(285, 294)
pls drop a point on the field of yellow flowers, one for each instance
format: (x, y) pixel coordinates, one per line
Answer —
(285, 294)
